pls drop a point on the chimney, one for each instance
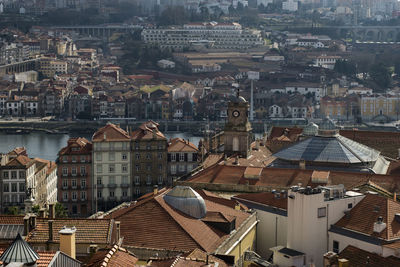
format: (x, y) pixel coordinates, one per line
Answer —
(379, 225)
(93, 249)
(26, 225)
(32, 222)
(67, 241)
(155, 189)
(50, 222)
(302, 164)
(343, 263)
(52, 211)
(237, 205)
(118, 226)
(104, 136)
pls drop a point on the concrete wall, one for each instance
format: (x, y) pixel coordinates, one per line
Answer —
(271, 232)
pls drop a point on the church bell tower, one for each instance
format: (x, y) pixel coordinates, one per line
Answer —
(237, 131)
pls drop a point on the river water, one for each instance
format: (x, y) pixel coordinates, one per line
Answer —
(46, 146)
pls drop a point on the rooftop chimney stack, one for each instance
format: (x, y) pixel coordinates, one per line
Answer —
(155, 189)
(379, 225)
(50, 222)
(118, 226)
(67, 241)
(26, 225)
(52, 211)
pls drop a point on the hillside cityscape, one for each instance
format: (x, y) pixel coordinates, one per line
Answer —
(190, 133)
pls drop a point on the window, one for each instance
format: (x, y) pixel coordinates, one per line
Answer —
(112, 145)
(83, 183)
(149, 167)
(148, 146)
(98, 156)
(321, 212)
(99, 168)
(111, 156)
(83, 195)
(137, 180)
(14, 187)
(350, 205)
(73, 158)
(13, 175)
(137, 191)
(65, 171)
(124, 193)
(73, 183)
(160, 156)
(137, 146)
(74, 195)
(99, 194)
(83, 159)
(148, 180)
(65, 196)
(190, 157)
(65, 159)
(124, 156)
(111, 168)
(5, 175)
(137, 156)
(160, 179)
(160, 167)
(6, 188)
(181, 168)
(112, 193)
(21, 175)
(189, 167)
(137, 167)
(148, 156)
(65, 183)
(111, 180)
(83, 170)
(173, 169)
(160, 146)
(124, 168)
(335, 246)
(173, 157)
(73, 171)
(181, 156)
(99, 181)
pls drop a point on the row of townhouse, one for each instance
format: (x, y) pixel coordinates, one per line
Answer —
(314, 226)
(21, 174)
(117, 166)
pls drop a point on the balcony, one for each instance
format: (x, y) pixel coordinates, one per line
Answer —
(83, 173)
(125, 185)
(73, 174)
(100, 186)
(75, 200)
(65, 187)
(112, 199)
(112, 185)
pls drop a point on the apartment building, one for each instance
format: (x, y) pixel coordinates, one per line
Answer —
(75, 177)
(111, 167)
(149, 158)
(49, 67)
(182, 158)
(207, 34)
(380, 107)
(46, 180)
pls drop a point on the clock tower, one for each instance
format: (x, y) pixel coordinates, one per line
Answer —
(237, 131)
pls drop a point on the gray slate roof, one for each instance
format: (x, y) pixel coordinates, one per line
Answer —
(333, 149)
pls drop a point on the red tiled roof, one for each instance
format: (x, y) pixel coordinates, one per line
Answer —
(181, 145)
(12, 219)
(87, 230)
(110, 132)
(81, 142)
(20, 161)
(147, 131)
(152, 223)
(361, 258)
(265, 198)
(112, 257)
(363, 216)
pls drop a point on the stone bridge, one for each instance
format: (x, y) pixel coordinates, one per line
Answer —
(17, 67)
(370, 33)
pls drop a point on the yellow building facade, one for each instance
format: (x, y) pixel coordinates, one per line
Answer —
(380, 107)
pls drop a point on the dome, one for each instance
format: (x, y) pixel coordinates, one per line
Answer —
(311, 129)
(241, 99)
(186, 200)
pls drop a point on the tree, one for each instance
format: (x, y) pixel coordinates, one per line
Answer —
(12, 210)
(60, 210)
(380, 75)
(345, 67)
(35, 209)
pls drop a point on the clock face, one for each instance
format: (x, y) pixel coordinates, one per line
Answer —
(235, 113)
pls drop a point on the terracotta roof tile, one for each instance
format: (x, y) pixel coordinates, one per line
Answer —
(43, 261)
(85, 146)
(147, 131)
(20, 161)
(264, 198)
(87, 230)
(112, 257)
(363, 216)
(12, 219)
(361, 258)
(110, 132)
(181, 145)
(152, 223)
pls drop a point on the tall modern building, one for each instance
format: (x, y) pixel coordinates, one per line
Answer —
(75, 177)
(111, 167)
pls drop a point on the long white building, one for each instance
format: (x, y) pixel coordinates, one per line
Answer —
(208, 35)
